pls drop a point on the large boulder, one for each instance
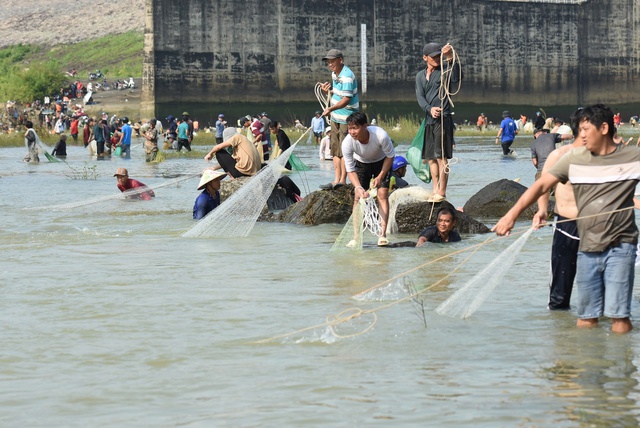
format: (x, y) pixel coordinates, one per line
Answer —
(495, 199)
(278, 199)
(414, 217)
(319, 207)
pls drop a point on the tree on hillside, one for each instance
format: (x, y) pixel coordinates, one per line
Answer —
(32, 83)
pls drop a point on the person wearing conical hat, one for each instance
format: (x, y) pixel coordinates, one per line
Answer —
(209, 199)
(125, 183)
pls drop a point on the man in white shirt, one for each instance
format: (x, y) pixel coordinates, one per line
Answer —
(368, 155)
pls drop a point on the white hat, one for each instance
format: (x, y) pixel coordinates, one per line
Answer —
(210, 175)
(327, 129)
(228, 133)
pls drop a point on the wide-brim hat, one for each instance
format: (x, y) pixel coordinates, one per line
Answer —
(185, 113)
(210, 175)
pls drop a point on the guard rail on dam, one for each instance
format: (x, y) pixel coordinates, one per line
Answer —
(534, 52)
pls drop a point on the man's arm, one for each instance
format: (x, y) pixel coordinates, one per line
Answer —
(540, 217)
(344, 101)
(216, 148)
(540, 186)
(422, 100)
(386, 167)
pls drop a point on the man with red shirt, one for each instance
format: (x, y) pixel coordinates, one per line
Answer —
(125, 183)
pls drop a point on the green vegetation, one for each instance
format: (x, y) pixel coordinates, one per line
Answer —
(30, 72)
(116, 55)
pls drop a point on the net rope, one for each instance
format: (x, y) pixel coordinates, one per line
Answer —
(237, 216)
(123, 195)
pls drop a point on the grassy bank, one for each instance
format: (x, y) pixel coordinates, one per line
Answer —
(28, 71)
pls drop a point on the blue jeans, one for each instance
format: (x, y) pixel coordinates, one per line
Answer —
(126, 151)
(605, 282)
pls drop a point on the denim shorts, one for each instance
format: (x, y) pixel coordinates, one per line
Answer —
(605, 282)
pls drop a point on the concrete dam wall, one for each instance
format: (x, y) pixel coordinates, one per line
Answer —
(516, 52)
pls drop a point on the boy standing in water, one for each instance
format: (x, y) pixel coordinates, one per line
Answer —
(604, 177)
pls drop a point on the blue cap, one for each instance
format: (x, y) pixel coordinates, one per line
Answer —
(399, 162)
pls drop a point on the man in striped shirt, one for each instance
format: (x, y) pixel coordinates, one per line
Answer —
(343, 102)
(604, 176)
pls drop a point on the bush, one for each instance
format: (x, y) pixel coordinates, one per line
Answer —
(32, 83)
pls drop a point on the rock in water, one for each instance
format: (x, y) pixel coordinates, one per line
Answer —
(414, 217)
(495, 199)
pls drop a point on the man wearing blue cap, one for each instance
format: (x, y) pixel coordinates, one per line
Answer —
(220, 124)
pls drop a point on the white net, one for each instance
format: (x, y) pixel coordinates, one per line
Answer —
(237, 215)
(464, 302)
(351, 237)
(128, 193)
(371, 216)
(406, 195)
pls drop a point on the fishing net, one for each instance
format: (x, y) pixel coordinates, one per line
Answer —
(352, 233)
(464, 302)
(406, 195)
(371, 216)
(43, 149)
(365, 216)
(128, 193)
(414, 156)
(297, 164)
(238, 214)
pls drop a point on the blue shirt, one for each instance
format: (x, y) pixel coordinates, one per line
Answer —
(317, 124)
(344, 85)
(126, 134)
(205, 204)
(508, 127)
(219, 129)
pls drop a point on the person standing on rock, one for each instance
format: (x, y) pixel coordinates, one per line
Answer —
(439, 127)
(344, 101)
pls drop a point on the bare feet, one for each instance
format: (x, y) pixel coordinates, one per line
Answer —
(621, 325)
(587, 323)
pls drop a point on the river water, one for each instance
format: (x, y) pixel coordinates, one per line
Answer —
(110, 318)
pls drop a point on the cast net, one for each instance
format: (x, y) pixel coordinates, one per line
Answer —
(123, 195)
(351, 236)
(237, 215)
(464, 302)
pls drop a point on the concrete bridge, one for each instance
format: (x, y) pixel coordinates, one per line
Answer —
(552, 52)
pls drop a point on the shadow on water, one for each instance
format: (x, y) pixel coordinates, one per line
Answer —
(594, 374)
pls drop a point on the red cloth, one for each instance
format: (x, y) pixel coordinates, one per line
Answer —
(135, 184)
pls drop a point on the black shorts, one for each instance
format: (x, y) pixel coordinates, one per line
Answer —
(368, 171)
(318, 134)
(434, 143)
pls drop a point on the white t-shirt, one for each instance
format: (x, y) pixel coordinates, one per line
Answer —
(378, 148)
